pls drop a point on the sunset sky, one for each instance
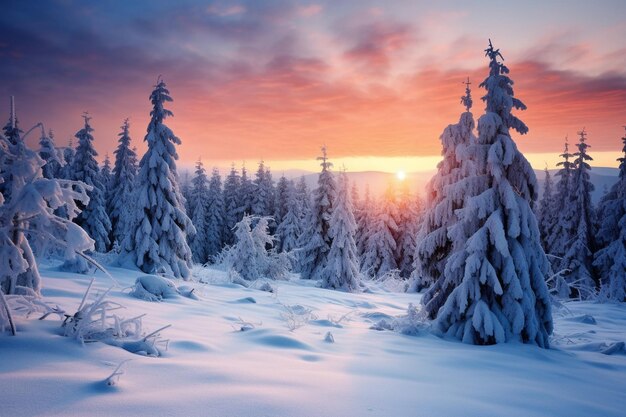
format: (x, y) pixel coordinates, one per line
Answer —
(275, 80)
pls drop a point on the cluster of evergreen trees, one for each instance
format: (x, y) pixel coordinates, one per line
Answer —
(586, 244)
(302, 222)
(477, 248)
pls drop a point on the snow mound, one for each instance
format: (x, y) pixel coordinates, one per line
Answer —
(154, 288)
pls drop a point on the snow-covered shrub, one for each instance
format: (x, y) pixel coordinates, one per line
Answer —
(413, 323)
(29, 213)
(96, 322)
(154, 288)
(250, 257)
(296, 315)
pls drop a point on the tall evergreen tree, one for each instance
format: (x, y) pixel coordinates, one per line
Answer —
(93, 217)
(498, 267)
(13, 135)
(379, 256)
(434, 245)
(304, 200)
(68, 157)
(558, 240)
(363, 222)
(233, 210)
(577, 261)
(315, 240)
(199, 203)
(409, 214)
(215, 215)
(246, 192)
(50, 154)
(122, 186)
(342, 265)
(610, 259)
(280, 206)
(158, 240)
(290, 228)
(546, 214)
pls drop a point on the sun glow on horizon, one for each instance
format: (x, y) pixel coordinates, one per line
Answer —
(401, 175)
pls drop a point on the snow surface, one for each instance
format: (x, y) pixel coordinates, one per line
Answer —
(212, 368)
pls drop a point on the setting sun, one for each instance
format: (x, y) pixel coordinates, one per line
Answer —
(401, 175)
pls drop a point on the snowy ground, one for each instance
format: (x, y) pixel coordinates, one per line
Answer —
(213, 369)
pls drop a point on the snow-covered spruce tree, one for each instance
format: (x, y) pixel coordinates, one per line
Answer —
(185, 191)
(410, 212)
(250, 256)
(304, 201)
(342, 264)
(50, 155)
(13, 135)
(122, 187)
(105, 172)
(158, 238)
(215, 215)
(280, 205)
(434, 246)
(289, 229)
(610, 259)
(246, 191)
(561, 232)
(29, 213)
(199, 202)
(546, 214)
(363, 221)
(233, 211)
(577, 261)
(315, 241)
(498, 268)
(68, 157)
(93, 217)
(263, 192)
(379, 256)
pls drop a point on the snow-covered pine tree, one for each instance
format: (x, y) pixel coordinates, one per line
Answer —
(93, 217)
(546, 214)
(280, 206)
(105, 171)
(434, 246)
(363, 222)
(304, 200)
(122, 189)
(289, 229)
(558, 240)
(185, 191)
(315, 241)
(233, 211)
(610, 259)
(199, 203)
(29, 213)
(246, 192)
(498, 268)
(50, 154)
(577, 261)
(409, 213)
(251, 256)
(158, 239)
(261, 195)
(342, 264)
(68, 157)
(13, 134)
(379, 255)
(215, 215)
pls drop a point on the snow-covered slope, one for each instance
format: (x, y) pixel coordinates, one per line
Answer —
(211, 368)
